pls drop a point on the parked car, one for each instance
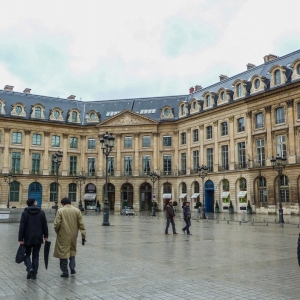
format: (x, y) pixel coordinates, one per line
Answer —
(127, 211)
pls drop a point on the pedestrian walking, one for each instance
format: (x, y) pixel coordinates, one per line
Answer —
(33, 230)
(187, 218)
(170, 215)
(67, 223)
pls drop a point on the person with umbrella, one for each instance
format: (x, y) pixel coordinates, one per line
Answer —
(67, 223)
(32, 230)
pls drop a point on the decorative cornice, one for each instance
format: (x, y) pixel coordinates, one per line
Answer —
(231, 118)
(216, 123)
(249, 114)
(290, 103)
(7, 130)
(268, 108)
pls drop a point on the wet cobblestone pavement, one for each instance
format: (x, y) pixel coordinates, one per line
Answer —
(134, 259)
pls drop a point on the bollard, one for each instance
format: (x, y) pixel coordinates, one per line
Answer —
(227, 221)
(252, 223)
(280, 224)
(298, 225)
(240, 222)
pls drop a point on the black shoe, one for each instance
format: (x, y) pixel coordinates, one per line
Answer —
(73, 271)
(183, 230)
(29, 274)
(64, 275)
(34, 276)
(167, 233)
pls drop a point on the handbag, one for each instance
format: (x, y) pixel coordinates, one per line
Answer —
(20, 256)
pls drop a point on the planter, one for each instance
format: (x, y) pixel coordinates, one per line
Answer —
(231, 210)
(249, 210)
(217, 209)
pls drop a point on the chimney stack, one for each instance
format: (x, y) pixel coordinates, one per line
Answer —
(270, 57)
(250, 66)
(8, 88)
(223, 77)
(71, 97)
(27, 91)
(191, 90)
(198, 87)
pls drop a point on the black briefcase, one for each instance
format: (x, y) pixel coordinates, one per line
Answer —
(20, 254)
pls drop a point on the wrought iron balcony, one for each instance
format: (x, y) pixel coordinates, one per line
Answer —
(52, 172)
(181, 172)
(257, 164)
(240, 166)
(16, 171)
(145, 173)
(223, 168)
(35, 172)
(127, 173)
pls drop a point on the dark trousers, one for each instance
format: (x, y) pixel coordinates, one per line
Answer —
(32, 263)
(188, 225)
(64, 264)
(170, 220)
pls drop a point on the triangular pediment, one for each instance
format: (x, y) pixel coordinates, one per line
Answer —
(128, 118)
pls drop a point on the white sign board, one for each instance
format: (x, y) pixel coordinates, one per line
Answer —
(4, 216)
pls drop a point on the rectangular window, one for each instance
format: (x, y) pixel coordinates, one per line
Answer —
(91, 166)
(53, 165)
(262, 195)
(259, 120)
(17, 138)
(167, 161)
(146, 141)
(128, 142)
(183, 138)
(242, 155)
(209, 132)
(37, 112)
(91, 144)
(111, 165)
(167, 141)
(183, 163)
(260, 152)
(16, 162)
(146, 164)
(195, 160)
(55, 141)
(224, 157)
(74, 116)
(195, 135)
(36, 161)
(284, 195)
(280, 115)
(73, 165)
(224, 128)
(281, 145)
(72, 192)
(36, 139)
(74, 142)
(128, 165)
(241, 124)
(210, 159)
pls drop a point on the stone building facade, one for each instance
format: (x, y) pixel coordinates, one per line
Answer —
(234, 127)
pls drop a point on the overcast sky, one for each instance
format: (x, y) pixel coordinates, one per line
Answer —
(116, 49)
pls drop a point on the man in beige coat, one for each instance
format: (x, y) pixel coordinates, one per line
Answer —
(67, 223)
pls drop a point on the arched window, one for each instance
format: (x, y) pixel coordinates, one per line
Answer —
(277, 77)
(298, 69)
(53, 189)
(74, 116)
(37, 112)
(225, 184)
(167, 188)
(196, 187)
(182, 110)
(284, 189)
(194, 105)
(243, 184)
(183, 187)
(14, 192)
(256, 83)
(239, 90)
(222, 96)
(72, 192)
(262, 189)
(208, 101)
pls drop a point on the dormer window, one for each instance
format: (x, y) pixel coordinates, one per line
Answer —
(298, 69)
(222, 96)
(277, 77)
(194, 105)
(239, 90)
(37, 112)
(18, 109)
(93, 116)
(257, 83)
(74, 116)
(182, 110)
(208, 101)
(167, 112)
(56, 114)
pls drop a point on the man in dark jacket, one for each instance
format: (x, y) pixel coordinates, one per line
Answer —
(33, 229)
(170, 215)
(187, 217)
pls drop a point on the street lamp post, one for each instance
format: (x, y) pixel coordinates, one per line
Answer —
(80, 180)
(202, 172)
(107, 143)
(153, 177)
(9, 179)
(278, 164)
(57, 159)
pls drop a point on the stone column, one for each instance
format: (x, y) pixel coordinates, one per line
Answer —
(6, 158)
(118, 170)
(249, 146)
(216, 150)
(201, 152)
(136, 154)
(290, 121)
(27, 155)
(47, 158)
(64, 165)
(269, 135)
(188, 152)
(231, 141)
(155, 152)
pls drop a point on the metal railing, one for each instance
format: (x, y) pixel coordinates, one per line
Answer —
(223, 168)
